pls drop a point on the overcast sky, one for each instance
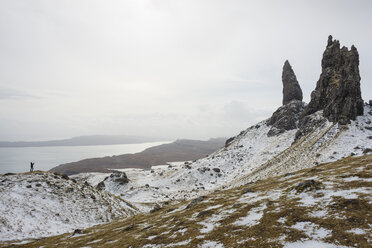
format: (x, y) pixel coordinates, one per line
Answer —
(165, 68)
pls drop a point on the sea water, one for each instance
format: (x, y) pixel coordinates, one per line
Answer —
(17, 159)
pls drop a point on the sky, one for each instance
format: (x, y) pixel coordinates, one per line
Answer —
(163, 68)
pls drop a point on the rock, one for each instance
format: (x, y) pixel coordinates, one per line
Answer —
(64, 176)
(101, 186)
(370, 102)
(285, 118)
(217, 170)
(229, 141)
(195, 201)
(291, 87)
(128, 228)
(247, 190)
(337, 92)
(308, 185)
(204, 169)
(203, 213)
(288, 174)
(119, 177)
(77, 231)
(307, 124)
(155, 208)
(367, 150)
(86, 183)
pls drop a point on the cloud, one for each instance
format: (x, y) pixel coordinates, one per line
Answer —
(172, 67)
(13, 94)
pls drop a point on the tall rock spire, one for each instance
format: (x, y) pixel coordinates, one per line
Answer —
(291, 87)
(286, 117)
(337, 92)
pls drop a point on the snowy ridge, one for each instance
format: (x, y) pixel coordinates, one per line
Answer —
(40, 204)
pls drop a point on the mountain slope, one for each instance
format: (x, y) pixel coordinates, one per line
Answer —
(250, 156)
(329, 205)
(39, 204)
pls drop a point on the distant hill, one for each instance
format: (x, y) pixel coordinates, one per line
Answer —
(180, 150)
(90, 140)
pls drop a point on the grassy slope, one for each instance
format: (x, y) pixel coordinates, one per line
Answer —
(278, 212)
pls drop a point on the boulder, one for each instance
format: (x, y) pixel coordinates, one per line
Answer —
(195, 201)
(308, 185)
(156, 208)
(77, 232)
(119, 177)
(248, 190)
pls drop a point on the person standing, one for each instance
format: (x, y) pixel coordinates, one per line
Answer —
(32, 166)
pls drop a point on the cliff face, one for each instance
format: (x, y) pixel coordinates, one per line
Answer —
(337, 92)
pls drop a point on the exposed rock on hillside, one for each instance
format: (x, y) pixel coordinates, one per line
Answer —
(285, 118)
(309, 123)
(291, 88)
(337, 92)
(116, 178)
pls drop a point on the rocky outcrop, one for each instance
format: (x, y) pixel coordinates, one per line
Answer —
(337, 92)
(117, 177)
(309, 123)
(291, 87)
(286, 117)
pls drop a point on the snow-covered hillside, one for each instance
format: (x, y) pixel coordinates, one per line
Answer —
(326, 206)
(39, 204)
(252, 155)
